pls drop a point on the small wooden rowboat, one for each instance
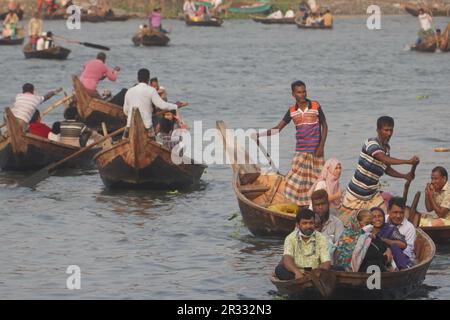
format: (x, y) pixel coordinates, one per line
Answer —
(213, 22)
(141, 162)
(58, 53)
(436, 12)
(11, 42)
(25, 151)
(94, 111)
(156, 39)
(438, 234)
(273, 21)
(393, 285)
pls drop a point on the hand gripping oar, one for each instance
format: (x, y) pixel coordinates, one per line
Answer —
(407, 183)
(267, 155)
(44, 173)
(86, 44)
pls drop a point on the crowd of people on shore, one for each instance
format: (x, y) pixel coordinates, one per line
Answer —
(361, 226)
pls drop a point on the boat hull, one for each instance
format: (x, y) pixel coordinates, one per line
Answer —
(56, 53)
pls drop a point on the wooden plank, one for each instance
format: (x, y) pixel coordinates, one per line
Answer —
(253, 188)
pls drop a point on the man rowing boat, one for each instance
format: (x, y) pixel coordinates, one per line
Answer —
(363, 191)
(311, 134)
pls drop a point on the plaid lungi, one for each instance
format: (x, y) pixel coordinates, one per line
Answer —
(305, 170)
(351, 204)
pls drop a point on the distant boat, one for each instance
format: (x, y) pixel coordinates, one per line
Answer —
(257, 7)
(11, 42)
(265, 20)
(213, 22)
(155, 39)
(58, 53)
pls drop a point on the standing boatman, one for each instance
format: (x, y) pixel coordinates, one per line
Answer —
(311, 134)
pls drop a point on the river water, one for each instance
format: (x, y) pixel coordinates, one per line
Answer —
(187, 245)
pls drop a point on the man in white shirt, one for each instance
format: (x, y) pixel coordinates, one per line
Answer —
(425, 20)
(289, 14)
(40, 44)
(143, 97)
(396, 217)
(189, 8)
(26, 104)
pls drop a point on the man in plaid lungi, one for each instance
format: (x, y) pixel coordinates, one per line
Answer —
(311, 134)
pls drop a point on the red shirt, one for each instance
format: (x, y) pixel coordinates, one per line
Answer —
(39, 129)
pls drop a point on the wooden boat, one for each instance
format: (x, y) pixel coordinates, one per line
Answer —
(394, 285)
(265, 20)
(11, 42)
(94, 111)
(241, 7)
(314, 27)
(436, 12)
(438, 234)
(425, 47)
(25, 151)
(213, 22)
(141, 162)
(57, 53)
(156, 39)
(117, 18)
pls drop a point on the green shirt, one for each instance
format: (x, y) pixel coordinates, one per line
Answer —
(310, 253)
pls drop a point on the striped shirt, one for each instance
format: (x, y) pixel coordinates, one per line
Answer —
(71, 131)
(366, 180)
(307, 126)
(25, 106)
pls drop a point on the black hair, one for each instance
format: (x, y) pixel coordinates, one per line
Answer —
(56, 127)
(35, 116)
(304, 214)
(438, 30)
(154, 79)
(165, 125)
(28, 87)
(143, 75)
(49, 34)
(441, 171)
(397, 201)
(385, 121)
(71, 113)
(101, 56)
(296, 84)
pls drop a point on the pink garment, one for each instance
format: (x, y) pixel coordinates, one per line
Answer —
(200, 11)
(331, 181)
(155, 19)
(94, 71)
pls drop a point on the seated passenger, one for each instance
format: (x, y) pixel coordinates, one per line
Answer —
(355, 232)
(72, 129)
(55, 133)
(396, 217)
(391, 237)
(36, 127)
(275, 15)
(289, 14)
(303, 248)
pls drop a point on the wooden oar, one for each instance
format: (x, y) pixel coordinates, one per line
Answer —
(407, 183)
(86, 44)
(51, 107)
(267, 155)
(324, 281)
(414, 217)
(44, 173)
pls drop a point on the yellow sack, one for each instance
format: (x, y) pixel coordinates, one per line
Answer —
(287, 208)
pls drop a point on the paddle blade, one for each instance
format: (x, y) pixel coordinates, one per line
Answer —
(93, 45)
(35, 178)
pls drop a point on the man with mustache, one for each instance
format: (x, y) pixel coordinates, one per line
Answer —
(304, 249)
(363, 191)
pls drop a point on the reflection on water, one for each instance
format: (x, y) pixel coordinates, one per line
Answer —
(186, 244)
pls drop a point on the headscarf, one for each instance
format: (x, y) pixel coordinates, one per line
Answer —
(332, 183)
